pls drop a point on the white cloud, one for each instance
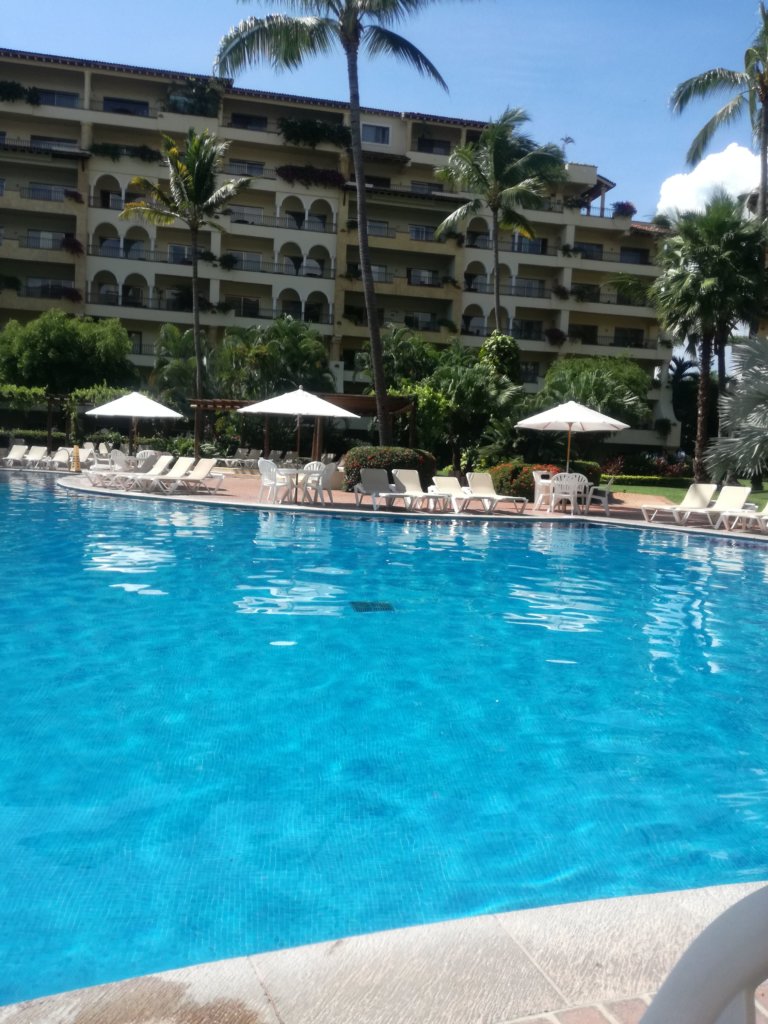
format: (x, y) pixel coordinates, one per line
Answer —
(735, 168)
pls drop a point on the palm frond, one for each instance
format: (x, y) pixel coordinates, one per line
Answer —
(730, 112)
(707, 84)
(281, 41)
(454, 220)
(378, 40)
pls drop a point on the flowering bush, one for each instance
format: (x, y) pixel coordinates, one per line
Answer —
(514, 478)
(624, 209)
(389, 458)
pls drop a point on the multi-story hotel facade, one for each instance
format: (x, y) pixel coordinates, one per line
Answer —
(73, 133)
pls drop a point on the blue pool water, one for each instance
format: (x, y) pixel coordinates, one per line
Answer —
(206, 750)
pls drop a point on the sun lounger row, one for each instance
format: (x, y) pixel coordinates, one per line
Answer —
(443, 493)
(700, 507)
(160, 475)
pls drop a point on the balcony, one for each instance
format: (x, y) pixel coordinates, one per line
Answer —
(247, 215)
(249, 262)
(50, 193)
(44, 147)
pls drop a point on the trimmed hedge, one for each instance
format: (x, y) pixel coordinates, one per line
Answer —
(652, 481)
(389, 458)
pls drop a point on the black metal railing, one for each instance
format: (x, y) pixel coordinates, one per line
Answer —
(243, 215)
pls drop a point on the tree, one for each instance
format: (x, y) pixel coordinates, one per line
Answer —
(503, 354)
(175, 367)
(711, 280)
(744, 414)
(750, 89)
(192, 197)
(617, 387)
(61, 353)
(505, 172)
(286, 41)
(406, 357)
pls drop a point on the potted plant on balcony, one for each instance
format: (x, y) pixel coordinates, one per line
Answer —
(560, 291)
(72, 245)
(623, 208)
(555, 336)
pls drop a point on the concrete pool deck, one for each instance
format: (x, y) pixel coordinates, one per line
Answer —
(598, 962)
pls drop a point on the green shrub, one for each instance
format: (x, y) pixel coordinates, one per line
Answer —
(512, 478)
(389, 458)
(591, 470)
(651, 481)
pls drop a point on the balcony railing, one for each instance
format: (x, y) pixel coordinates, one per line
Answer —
(245, 215)
(244, 169)
(49, 193)
(239, 305)
(54, 148)
(530, 246)
(255, 266)
(416, 321)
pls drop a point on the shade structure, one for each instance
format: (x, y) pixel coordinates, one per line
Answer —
(135, 407)
(572, 418)
(300, 404)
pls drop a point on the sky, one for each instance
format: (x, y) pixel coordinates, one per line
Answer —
(599, 72)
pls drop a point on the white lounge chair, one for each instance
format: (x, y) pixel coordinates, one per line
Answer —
(481, 486)
(168, 480)
(698, 496)
(374, 483)
(32, 458)
(459, 497)
(15, 455)
(58, 461)
(408, 488)
(144, 479)
(745, 518)
(729, 501)
(200, 478)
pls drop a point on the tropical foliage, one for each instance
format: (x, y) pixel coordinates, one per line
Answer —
(744, 414)
(60, 352)
(505, 172)
(748, 87)
(317, 27)
(616, 387)
(192, 197)
(711, 280)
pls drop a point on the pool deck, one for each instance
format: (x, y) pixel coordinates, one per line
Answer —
(596, 962)
(582, 963)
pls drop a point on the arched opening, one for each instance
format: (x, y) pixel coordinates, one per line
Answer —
(136, 243)
(106, 241)
(293, 212)
(318, 262)
(135, 291)
(476, 277)
(478, 234)
(104, 289)
(321, 216)
(289, 304)
(317, 309)
(473, 321)
(107, 193)
(291, 259)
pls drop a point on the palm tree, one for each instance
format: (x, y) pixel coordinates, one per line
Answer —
(286, 41)
(505, 172)
(192, 197)
(750, 89)
(712, 269)
(744, 414)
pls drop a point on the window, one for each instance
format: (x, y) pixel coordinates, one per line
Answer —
(478, 240)
(248, 168)
(120, 105)
(529, 287)
(529, 372)
(628, 337)
(377, 133)
(245, 260)
(295, 218)
(532, 246)
(40, 190)
(426, 187)
(133, 295)
(56, 98)
(585, 333)
(313, 267)
(379, 271)
(420, 321)
(136, 343)
(291, 307)
(527, 330)
(589, 250)
(474, 325)
(179, 253)
(246, 214)
(628, 254)
(440, 147)
(107, 294)
(377, 181)
(48, 142)
(110, 200)
(423, 277)
(2, 138)
(2, 186)
(378, 227)
(421, 233)
(134, 248)
(476, 282)
(38, 239)
(316, 222)
(251, 122)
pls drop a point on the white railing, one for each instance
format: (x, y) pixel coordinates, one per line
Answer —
(714, 981)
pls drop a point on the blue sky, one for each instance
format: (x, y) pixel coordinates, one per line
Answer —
(600, 71)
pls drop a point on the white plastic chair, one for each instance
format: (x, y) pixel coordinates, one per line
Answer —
(568, 489)
(272, 482)
(321, 483)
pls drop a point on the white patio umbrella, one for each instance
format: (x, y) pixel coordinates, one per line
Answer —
(299, 403)
(135, 407)
(572, 417)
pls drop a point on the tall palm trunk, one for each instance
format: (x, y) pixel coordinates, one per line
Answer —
(762, 198)
(496, 283)
(702, 411)
(193, 232)
(369, 295)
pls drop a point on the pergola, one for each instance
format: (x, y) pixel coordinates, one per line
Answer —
(363, 405)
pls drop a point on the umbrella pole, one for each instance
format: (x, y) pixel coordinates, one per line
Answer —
(298, 435)
(317, 439)
(568, 453)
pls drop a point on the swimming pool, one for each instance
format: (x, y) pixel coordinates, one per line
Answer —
(226, 731)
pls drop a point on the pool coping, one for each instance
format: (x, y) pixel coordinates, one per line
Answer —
(596, 962)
